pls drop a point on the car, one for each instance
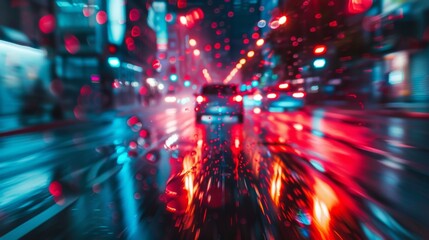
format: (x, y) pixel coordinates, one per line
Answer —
(282, 97)
(170, 96)
(219, 99)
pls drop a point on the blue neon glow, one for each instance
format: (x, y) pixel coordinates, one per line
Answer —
(116, 16)
(319, 63)
(173, 77)
(114, 62)
(255, 83)
(187, 83)
(129, 206)
(243, 87)
(317, 165)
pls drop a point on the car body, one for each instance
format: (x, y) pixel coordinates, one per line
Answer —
(282, 97)
(219, 99)
(170, 97)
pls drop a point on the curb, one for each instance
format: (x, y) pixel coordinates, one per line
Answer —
(40, 127)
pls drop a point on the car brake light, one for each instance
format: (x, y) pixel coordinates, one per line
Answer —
(170, 99)
(271, 95)
(200, 99)
(238, 98)
(283, 86)
(298, 95)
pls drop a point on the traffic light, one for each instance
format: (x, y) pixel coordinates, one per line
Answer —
(319, 62)
(173, 73)
(173, 77)
(319, 49)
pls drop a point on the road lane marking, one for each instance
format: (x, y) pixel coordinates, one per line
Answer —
(36, 221)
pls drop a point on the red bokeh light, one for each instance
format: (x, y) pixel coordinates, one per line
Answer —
(333, 24)
(116, 84)
(217, 45)
(55, 189)
(101, 17)
(181, 4)
(172, 60)
(217, 55)
(208, 48)
(255, 35)
(71, 43)
(214, 25)
(134, 15)
(142, 91)
(47, 23)
(197, 14)
(87, 11)
(246, 41)
(169, 17)
(143, 133)
(156, 64)
(359, 6)
(135, 31)
(85, 90)
(227, 47)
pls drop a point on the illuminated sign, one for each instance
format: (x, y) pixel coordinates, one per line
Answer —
(389, 5)
(116, 18)
(156, 20)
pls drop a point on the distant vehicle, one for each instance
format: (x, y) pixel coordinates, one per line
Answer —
(219, 99)
(170, 96)
(282, 97)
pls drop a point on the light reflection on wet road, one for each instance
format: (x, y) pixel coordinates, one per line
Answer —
(277, 176)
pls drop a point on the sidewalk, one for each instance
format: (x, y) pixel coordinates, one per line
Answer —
(16, 124)
(397, 109)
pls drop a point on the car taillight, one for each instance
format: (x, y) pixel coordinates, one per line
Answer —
(200, 99)
(298, 94)
(170, 99)
(283, 86)
(238, 98)
(271, 95)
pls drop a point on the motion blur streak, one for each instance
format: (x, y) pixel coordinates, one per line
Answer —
(234, 119)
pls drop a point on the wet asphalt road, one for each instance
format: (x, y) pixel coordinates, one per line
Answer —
(161, 176)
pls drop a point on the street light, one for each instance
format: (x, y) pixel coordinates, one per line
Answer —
(183, 20)
(196, 52)
(192, 42)
(250, 54)
(260, 42)
(282, 20)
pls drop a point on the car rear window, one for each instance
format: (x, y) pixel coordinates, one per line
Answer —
(219, 89)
